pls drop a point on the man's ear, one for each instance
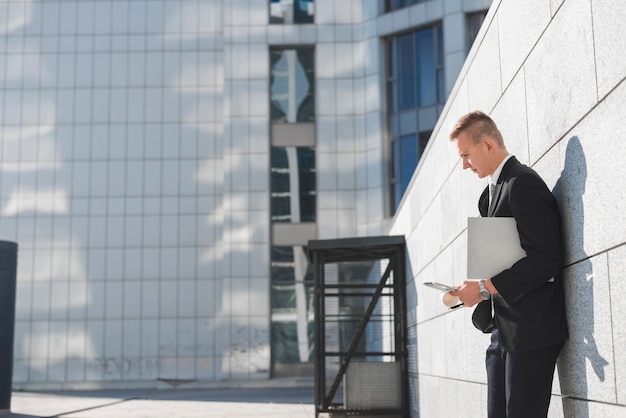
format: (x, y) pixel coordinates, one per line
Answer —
(489, 144)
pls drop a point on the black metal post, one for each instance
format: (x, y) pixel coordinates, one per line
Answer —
(8, 274)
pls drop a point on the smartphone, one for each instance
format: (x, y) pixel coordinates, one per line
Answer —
(439, 286)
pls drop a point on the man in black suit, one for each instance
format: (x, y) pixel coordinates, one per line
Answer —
(527, 300)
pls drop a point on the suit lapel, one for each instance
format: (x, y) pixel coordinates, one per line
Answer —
(496, 193)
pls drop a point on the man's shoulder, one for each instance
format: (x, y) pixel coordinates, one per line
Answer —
(522, 178)
(516, 169)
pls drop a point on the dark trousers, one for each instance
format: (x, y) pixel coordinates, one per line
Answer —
(519, 385)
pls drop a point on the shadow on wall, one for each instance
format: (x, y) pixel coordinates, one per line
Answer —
(578, 278)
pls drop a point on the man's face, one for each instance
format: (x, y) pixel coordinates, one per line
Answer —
(476, 157)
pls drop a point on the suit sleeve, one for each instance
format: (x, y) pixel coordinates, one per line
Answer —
(539, 225)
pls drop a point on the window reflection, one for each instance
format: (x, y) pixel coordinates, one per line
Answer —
(426, 68)
(293, 188)
(406, 152)
(293, 200)
(474, 22)
(406, 71)
(292, 85)
(415, 94)
(292, 305)
(291, 11)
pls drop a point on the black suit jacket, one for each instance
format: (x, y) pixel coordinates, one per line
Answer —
(530, 307)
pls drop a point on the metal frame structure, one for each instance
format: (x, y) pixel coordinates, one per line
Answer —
(392, 285)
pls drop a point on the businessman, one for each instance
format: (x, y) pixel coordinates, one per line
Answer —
(522, 307)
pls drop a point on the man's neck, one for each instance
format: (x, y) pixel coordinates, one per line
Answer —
(502, 156)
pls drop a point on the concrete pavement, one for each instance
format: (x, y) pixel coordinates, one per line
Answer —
(271, 398)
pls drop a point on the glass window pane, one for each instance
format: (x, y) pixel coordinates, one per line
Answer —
(408, 150)
(293, 187)
(292, 296)
(282, 255)
(285, 341)
(423, 141)
(426, 67)
(283, 296)
(285, 346)
(292, 85)
(305, 85)
(441, 94)
(303, 11)
(406, 71)
(395, 167)
(279, 186)
(474, 22)
(308, 184)
(276, 12)
(291, 11)
(416, 87)
(278, 85)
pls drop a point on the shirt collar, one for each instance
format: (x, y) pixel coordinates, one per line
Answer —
(496, 174)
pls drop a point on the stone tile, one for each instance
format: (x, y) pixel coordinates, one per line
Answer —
(483, 77)
(590, 219)
(520, 24)
(554, 6)
(609, 35)
(617, 278)
(559, 73)
(580, 408)
(586, 364)
(510, 117)
(454, 63)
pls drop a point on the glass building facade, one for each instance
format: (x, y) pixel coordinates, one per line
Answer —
(164, 165)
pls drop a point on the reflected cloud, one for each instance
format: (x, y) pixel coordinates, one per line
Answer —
(28, 166)
(18, 15)
(20, 202)
(207, 173)
(20, 133)
(62, 264)
(172, 27)
(77, 345)
(210, 255)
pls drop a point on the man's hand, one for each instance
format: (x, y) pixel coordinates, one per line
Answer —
(469, 293)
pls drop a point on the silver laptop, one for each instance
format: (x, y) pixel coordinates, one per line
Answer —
(493, 245)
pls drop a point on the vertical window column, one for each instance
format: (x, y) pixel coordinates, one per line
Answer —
(293, 207)
(415, 98)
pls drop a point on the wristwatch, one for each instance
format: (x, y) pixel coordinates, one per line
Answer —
(484, 293)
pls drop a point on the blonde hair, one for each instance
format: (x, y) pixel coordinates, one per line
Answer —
(477, 125)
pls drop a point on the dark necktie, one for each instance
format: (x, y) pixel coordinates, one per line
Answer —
(492, 190)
